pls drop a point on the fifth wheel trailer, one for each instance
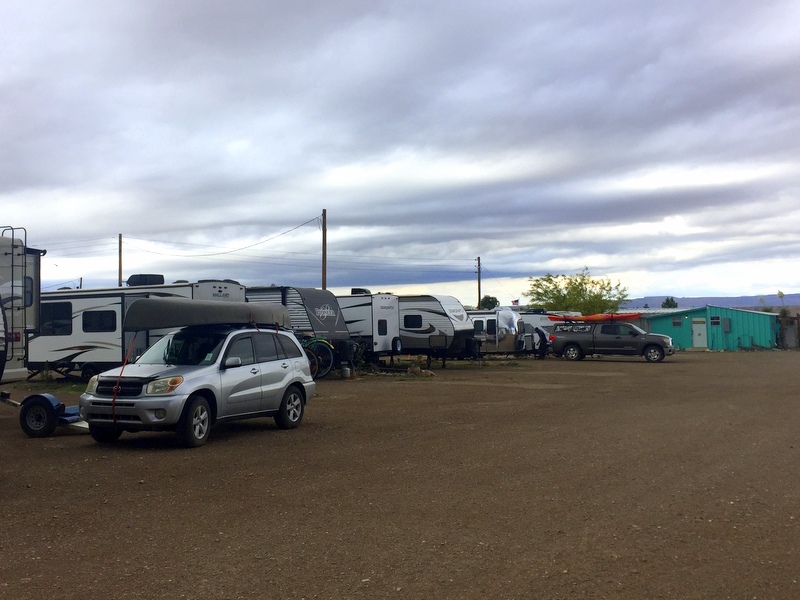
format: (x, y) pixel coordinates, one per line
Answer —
(81, 330)
(20, 286)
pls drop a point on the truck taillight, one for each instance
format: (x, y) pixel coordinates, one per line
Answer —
(14, 337)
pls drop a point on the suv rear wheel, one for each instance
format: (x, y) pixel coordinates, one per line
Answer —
(573, 352)
(291, 411)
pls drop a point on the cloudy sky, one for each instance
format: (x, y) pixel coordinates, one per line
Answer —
(655, 144)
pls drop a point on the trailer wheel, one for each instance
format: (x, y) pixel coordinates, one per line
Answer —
(573, 352)
(195, 423)
(397, 346)
(104, 435)
(88, 371)
(38, 418)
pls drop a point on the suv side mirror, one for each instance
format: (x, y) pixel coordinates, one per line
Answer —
(233, 361)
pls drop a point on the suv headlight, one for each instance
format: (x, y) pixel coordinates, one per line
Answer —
(164, 386)
(91, 387)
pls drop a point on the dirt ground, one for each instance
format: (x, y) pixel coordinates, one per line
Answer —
(608, 478)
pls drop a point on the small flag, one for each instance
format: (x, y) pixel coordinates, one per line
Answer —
(515, 302)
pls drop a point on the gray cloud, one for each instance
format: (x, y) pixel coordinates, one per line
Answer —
(631, 138)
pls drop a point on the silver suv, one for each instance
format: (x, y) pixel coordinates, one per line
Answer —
(197, 376)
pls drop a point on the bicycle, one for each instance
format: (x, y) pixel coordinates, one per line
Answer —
(323, 353)
(313, 362)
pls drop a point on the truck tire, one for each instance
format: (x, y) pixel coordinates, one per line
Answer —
(104, 435)
(572, 352)
(291, 411)
(38, 418)
(195, 423)
(654, 353)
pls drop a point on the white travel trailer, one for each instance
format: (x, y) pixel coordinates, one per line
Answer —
(501, 331)
(373, 321)
(19, 297)
(437, 327)
(81, 329)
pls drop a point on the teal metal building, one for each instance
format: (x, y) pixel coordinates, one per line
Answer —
(717, 328)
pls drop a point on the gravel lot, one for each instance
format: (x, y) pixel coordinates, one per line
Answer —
(608, 478)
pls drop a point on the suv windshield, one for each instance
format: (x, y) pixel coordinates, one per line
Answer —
(185, 347)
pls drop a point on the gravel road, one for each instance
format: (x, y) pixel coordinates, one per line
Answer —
(607, 478)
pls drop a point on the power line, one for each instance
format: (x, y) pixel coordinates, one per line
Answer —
(227, 251)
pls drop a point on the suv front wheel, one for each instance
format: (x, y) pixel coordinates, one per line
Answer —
(104, 435)
(195, 423)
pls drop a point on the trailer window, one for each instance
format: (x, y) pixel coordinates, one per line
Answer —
(28, 292)
(478, 327)
(56, 318)
(95, 321)
(412, 321)
(383, 327)
(491, 326)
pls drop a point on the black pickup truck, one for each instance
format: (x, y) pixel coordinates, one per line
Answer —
(573, 341)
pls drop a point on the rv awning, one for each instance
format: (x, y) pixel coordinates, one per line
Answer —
(160, 313)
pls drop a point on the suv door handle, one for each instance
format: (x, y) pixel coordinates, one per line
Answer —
(254, 371)
(284, 366)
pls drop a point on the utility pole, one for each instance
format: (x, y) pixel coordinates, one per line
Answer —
(478, 305)
(324, 249)
(120, 260)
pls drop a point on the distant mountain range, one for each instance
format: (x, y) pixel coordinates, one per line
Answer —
(753, 302)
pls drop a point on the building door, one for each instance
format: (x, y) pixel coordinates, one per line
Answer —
(699, 333)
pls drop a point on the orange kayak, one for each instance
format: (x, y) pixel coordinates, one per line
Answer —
(597, 317)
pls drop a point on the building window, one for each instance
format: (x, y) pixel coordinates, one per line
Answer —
(677, 322)
(95, 321)
(715, 321)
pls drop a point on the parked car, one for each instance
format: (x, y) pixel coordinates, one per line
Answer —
(576, 340)
(200, 375)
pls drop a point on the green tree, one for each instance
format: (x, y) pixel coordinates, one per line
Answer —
(579, 292)
(488, 303)
(669, 302)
